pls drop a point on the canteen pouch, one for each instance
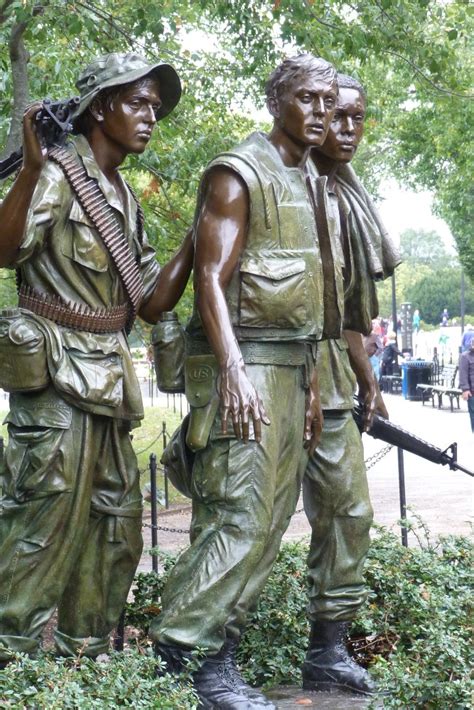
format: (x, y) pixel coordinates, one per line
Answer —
(168, 340)
(200, 375)
(23, 358)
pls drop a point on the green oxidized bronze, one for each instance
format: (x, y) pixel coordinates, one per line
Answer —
(70, 510)
(261, 304)
(335, 490)
(168, 341)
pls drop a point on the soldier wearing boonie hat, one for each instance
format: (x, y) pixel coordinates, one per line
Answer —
(118, 69)
(70, 514)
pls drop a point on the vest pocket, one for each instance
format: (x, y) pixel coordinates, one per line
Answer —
(273, 293)
(82, 244)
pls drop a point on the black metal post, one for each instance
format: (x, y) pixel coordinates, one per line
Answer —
(463, 301)
(165, 476)
(402, 494)
(119, 637)
(154, 512)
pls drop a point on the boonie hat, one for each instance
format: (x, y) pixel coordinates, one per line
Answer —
(116, 69)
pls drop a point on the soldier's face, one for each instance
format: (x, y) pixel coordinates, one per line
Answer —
(347, 127)
(131, 116)
(306, 108)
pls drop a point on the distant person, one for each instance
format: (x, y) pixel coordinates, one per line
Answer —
(416, 321)
(389, 356)
(373, 345)
(466, 378)
(444, 318)
(467, 338)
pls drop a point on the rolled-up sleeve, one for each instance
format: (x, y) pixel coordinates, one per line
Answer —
(149, 269)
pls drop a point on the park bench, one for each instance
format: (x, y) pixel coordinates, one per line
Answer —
(444, 385)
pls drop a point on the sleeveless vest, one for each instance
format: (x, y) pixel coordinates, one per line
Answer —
(277, 290)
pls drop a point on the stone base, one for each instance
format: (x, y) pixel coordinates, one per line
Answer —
(288, 697)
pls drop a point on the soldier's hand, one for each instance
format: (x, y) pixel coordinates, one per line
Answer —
(240, 401)
(34, 154)
(314, 419)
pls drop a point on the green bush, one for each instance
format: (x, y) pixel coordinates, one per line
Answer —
(126, 680)
(413, 633)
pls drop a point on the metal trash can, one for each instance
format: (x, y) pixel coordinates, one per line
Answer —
(415, 372)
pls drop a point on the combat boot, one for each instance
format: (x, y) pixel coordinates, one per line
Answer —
(228, 657)
(217, 682)
(328, 665)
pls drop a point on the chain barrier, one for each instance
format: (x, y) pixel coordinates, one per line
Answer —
(375, 458)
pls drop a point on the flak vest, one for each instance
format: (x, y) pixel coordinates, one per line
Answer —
(282, 289)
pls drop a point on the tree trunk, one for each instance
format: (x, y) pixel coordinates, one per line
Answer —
(19, 57)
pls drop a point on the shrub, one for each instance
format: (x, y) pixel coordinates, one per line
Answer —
(413, 633)
(126, 680)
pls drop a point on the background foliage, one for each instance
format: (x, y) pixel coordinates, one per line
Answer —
(429, 278)
(412, 55)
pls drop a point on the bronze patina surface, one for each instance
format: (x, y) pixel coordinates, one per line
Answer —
(70, 511)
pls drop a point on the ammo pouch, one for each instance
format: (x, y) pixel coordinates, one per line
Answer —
(23, 355)
(200, 375)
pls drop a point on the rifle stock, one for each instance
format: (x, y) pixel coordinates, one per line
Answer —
(393, 434)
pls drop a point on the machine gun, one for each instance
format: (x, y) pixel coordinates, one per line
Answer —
(53, 124)
(393, 434)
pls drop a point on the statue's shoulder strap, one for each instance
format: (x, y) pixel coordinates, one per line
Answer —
(95, 205)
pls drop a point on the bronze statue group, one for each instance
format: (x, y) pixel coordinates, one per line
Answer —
(285, 248)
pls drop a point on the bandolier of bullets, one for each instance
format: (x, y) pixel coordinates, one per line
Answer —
(74, 315)
(100, 213)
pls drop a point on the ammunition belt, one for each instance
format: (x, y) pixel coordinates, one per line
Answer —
(95, 205)
(74, 315)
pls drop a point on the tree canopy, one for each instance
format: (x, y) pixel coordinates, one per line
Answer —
(413, 57)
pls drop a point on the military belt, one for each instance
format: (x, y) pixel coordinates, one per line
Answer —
(261, 353)
(74, 315)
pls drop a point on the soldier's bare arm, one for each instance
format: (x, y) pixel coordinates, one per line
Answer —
(14, 208)
(220, 238)
(171, 282)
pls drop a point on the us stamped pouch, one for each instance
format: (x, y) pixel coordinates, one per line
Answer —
(200, 375)
(23, 355)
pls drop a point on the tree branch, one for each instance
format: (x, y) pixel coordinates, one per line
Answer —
(425, 78)
(4, 15)
(19, 58)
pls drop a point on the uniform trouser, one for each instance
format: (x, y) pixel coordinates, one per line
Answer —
(337, 503)
(70, 526)
(243, 499)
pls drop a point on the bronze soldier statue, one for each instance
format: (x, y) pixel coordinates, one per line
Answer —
(267, 289)
(70, 514)
(336, 495)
